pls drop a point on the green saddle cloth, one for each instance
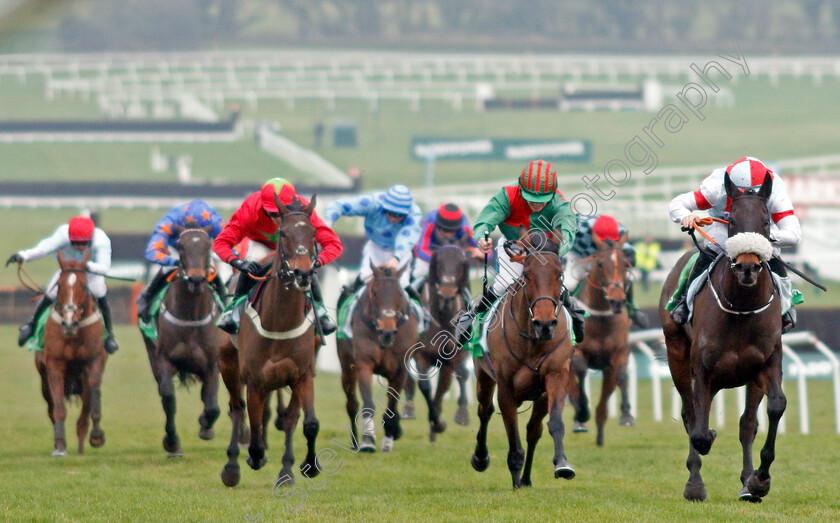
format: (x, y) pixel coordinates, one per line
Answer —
(36, 341)
(682, 283)
(150, 328)
(343, 320)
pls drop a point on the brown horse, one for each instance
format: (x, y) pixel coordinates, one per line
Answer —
(444, 295)
(73, 358)
(277, 346)
(529, 346)
(734, 339)
(383, 331)
(605, 346)
(188, 339)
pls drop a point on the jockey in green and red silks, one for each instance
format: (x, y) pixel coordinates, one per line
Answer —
(535, 204)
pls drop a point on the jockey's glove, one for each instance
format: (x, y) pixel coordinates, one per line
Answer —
(251, 267)
(15, 258)
(317, 263)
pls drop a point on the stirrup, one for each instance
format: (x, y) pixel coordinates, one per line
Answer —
(680, 312)
(327, 325)
(463, 329)
(26, 332)
(111, 344)
(226, 323)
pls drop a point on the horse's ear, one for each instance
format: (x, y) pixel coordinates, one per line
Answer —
(311, 207)
(766, 186)
(60, 256)
(178, 229)
(208, 228)
(598, 242)
(732, 190)
(622, 240)
(377, 272)
(517, 257)
(400, 271)
(280, 207)
(86, 257)
(433, 268)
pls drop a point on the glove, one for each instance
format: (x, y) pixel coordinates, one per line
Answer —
(251, 267)
(15, 258)
(317, 264)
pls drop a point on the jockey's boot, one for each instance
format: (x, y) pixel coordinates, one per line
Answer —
(110, 343)
(576, 312)
(327, 325)
(463, 329)
(786, 290)
(219, 287)
(349, 290)
(636, 315)
(28, 328)
(226, 321)
(144, 301)
(680, 312)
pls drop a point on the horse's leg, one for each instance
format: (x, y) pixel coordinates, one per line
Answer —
(210, 397)
(701, 437)
(759, 482)
(45, 384)
(748, 429)
(83, 423)
(229, 369)
(94, 377)
(55, 374)
(290, 420)
(348, 383)
(391, 416)
(535, 429)
(408, 407)
(306, 388)
(556, 387)
(620, 366)
(256, 405)
(516, 454)
(166, 389)
(364, 372)
(266, 418)
(462, 416)
(444, 383)
(281, 410)
(577, 392)
(435, 424)
(484, 396)
(607, 388)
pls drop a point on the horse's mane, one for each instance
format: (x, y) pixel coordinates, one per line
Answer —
(296, 205)
(191, 224)
(539, 242)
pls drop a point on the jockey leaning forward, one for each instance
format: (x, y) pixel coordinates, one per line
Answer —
(785, 231)
(258, 219)
(73, 239)
(165, 238)
(535, 204)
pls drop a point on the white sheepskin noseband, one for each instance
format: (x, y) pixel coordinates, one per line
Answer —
(749, 242)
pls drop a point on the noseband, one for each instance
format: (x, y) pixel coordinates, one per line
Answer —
(401, 317)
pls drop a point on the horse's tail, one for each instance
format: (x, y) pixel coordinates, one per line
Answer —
(73, 387)
(186, 378)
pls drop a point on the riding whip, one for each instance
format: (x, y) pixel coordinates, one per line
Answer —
(484, 282)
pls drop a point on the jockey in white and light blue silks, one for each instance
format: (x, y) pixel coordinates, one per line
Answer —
(392, 226)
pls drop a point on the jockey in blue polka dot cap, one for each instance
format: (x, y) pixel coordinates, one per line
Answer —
(164, 240)
(392, 226)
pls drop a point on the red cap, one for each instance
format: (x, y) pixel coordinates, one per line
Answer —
(449, 217)
(606, 227)
(81, 229)
(282, 188)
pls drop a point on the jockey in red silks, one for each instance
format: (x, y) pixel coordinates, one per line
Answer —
(257, 219)
(447, 224)
(785, 230)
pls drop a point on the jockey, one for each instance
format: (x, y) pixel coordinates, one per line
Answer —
(448, 224)
(258, 218)
(605, 227)
(73, 239)
(164, 237)
(785, 231)
(536, 204)
(392, 225)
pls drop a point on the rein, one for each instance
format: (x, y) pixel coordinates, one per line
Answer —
(604, 288)
(730, 309)
(31, 285)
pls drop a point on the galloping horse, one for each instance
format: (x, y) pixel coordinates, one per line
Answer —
(73, 358)
(277, 346)
(734, 339)
(444, 296)
(529, 346)
(188, 339)
(383, 331)
(605, 346)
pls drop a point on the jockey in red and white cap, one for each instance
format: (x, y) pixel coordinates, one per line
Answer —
(785, 230)
(73, 239)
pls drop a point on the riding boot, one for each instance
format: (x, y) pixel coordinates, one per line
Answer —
(327, 325)
(28, 328)
(226, 321)
(786, 290)
(110, 343)
(636, 315)
(144, 301)
(349, 290)
(680, 312)
(463, 329)
(576, 312)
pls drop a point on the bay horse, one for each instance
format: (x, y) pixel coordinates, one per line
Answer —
(384, 329)
(277, 346)
(444, 295)
(734, 339)
(188, 339)
(529, 342)
(74, 356)
(605, 347)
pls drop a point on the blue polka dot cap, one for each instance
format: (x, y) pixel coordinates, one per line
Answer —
(397, 199)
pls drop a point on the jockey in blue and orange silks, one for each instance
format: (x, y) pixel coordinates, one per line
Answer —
(165, 238)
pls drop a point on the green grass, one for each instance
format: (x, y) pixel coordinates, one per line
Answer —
(638, 475)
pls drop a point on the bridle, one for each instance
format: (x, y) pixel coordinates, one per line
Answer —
(439, 284)
(210, 270)
(61, 311)
(400, 317)
(616, 283)
(531, 303)
(285, 271)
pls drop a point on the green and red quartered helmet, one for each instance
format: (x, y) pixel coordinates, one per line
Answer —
(538, 182)
(281, 187)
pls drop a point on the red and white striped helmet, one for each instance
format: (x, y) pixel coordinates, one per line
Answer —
(748, 172)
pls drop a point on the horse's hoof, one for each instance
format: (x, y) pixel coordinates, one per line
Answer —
(170, 444)
(175, 454)
(408, 410)
(57, 453)
(695, 492)
(564, 470)
(757, 487)
(387, 444)
(310, 470)
(439, 427)
(480, 464)
(745, 495)
(256, 466)
(580, 427)
(627, 421)
(230, 475)
(432, 436)
(368, 444)
(97, 439)
(526, 482)
(462, 417)
(206, 434)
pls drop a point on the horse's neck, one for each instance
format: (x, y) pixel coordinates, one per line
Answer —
(738, 295)
(522, 317)
(593, 297)
(441, 316)
(186, 305)
(289, 305)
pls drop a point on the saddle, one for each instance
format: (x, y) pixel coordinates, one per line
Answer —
(344, 315)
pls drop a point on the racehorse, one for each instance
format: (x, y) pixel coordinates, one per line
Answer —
(529, 345)
(188, 339)
(73, 358)
(734, 339)
(277, 347)
(605, 346)
(383, 331)
(444, 295)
